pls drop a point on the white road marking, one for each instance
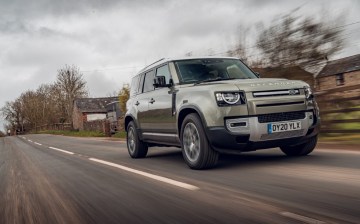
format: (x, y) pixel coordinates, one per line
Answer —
(30, 140)
(61, 150)
(149, 175)
(37, 143)
(301, 218)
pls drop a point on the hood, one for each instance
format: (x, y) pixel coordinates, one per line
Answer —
(262, 84)
(269, 84)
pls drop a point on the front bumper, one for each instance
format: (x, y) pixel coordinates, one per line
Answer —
(254, 135)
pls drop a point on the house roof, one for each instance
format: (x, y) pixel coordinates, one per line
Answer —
(342, 65)
(93, 105)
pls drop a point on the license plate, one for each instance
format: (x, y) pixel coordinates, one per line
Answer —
(284, 126)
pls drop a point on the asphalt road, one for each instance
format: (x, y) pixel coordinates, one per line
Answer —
(54, 179)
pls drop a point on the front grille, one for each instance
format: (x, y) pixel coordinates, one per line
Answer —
(281, 135)
(284, 92)
(287, 116)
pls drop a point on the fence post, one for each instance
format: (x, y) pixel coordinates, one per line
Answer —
(107, 128)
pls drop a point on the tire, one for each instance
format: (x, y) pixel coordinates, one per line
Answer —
(196, 150)
(300, 150)
(136, 147)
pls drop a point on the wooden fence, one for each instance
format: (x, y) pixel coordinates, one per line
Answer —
(98, 125)
(340, 110)
(56, 126)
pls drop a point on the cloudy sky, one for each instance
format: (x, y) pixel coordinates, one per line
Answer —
(111, 40)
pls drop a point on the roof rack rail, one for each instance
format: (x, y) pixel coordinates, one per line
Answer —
(152, 64)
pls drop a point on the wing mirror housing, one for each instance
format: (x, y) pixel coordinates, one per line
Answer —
(160, 81)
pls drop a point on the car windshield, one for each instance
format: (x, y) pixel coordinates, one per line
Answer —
(205, 70)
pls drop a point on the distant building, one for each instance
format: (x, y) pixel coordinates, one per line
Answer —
(89, 110)
(339, 73)
(294, 73)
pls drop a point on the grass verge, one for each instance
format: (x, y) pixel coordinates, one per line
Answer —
(120, 134)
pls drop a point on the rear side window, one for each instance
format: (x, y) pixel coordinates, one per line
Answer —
(141, 83)
(134, 86)
(149, 82)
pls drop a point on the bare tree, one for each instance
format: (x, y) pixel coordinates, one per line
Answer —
(32, 108)
(13, 114)
(49, 104)
(299, 41)
(50, 111)
(70, 85)
(8, 113)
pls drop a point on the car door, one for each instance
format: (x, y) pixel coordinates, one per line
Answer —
(142, 101)
(161, 118)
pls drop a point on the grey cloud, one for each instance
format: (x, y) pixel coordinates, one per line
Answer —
(100, 85)
(64, 8)
(13, 27)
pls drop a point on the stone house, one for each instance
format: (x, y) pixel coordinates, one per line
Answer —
(89, 113)
(344, 72)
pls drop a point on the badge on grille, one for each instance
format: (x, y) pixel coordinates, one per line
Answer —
(293, 91)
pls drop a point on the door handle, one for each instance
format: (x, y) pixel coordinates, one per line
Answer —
(137, 103)
(152, 101)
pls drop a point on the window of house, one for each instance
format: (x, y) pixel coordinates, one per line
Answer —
(149, 82)
(340, 79)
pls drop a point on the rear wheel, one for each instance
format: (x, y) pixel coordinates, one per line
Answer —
(196, 150)
(300, 150)
(136, 147)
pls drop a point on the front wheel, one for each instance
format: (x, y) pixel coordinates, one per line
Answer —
(136, 147)
(196, 150)
(300, 150)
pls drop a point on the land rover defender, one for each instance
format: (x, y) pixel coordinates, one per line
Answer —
(212, 105)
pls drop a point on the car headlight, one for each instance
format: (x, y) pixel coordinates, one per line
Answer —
(229, 98)
(308, 93)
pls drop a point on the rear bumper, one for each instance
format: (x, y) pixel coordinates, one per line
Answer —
(225, 141)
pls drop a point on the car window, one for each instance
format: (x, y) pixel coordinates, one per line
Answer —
(164, 71)
(134, 86)
(194, 70)
(149, 82)
(141, 83)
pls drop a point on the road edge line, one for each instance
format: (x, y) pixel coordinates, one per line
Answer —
(61, 150)
(149, 175)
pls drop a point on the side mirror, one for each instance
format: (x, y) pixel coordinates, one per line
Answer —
(159, 81)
